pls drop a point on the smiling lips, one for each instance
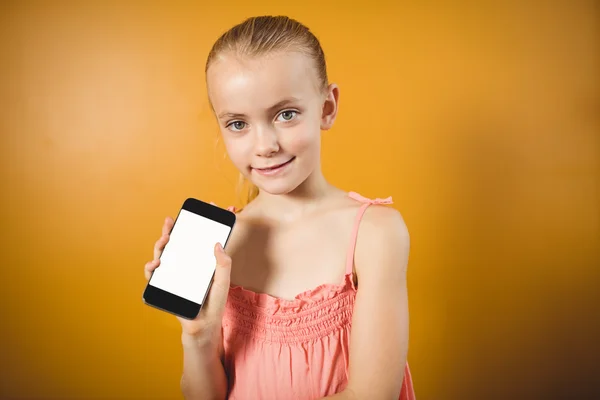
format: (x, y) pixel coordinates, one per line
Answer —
(269, 171)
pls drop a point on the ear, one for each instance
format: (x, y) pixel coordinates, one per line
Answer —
(330, 107)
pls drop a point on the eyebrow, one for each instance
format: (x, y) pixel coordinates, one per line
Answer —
(279, 104)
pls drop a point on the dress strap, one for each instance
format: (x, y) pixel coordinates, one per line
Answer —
(361, 211)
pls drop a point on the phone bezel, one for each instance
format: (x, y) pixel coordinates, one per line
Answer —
(174, 304)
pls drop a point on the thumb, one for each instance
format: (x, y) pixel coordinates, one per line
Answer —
(217, 296)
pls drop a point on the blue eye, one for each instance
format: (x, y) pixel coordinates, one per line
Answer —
(238, 125)
(288, 115)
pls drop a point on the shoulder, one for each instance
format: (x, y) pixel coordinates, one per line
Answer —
(381, 223)
(383, 241)
(384, 220)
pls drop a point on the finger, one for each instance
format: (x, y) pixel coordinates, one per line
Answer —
(167, 226)
(217, 296)
(149, 267)
(159, 246)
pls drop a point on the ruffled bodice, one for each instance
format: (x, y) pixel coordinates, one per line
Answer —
(309, 316)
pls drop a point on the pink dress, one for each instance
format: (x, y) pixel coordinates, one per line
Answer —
(294, 349)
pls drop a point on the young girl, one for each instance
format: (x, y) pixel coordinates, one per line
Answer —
(310, 299)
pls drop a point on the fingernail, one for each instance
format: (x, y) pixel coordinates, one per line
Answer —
(219, 247)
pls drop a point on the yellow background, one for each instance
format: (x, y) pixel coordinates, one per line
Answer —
(481, 121)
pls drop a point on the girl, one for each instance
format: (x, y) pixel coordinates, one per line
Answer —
(310, 299)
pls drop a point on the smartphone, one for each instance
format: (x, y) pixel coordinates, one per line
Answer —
(183, 279)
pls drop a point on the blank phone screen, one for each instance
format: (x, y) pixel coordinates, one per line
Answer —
(188, 261)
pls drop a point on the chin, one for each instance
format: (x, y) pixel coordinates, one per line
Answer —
(277, 188)
(280, 186)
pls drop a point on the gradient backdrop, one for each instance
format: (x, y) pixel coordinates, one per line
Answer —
(482, 121)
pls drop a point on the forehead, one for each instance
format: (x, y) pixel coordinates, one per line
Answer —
(240, 85)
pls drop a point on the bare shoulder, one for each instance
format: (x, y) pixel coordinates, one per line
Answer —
(380, 223)
(384, 220)
(383, 241)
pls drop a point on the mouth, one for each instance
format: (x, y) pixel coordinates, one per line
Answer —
(271, 170)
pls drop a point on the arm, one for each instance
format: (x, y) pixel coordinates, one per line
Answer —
(203, 374)
(379, 338)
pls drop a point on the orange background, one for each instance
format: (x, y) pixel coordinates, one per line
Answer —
(482, 121)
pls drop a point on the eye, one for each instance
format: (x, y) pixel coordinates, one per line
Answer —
(237, 125)
(287, 115)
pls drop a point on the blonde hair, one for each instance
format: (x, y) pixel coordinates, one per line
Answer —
(257, 36)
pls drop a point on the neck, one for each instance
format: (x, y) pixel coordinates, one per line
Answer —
(299, 202)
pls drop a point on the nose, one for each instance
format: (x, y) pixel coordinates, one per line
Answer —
(265, 142)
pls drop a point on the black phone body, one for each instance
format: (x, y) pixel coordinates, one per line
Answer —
(183, 279)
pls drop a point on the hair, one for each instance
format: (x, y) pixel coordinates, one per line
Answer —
(258, 36)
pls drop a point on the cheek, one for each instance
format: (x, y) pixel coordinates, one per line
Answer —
(238, 150)
(301, 142)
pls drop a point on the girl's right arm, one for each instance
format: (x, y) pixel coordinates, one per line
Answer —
(203, 373)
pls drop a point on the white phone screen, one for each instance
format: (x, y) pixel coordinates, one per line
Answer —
(188, 262)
